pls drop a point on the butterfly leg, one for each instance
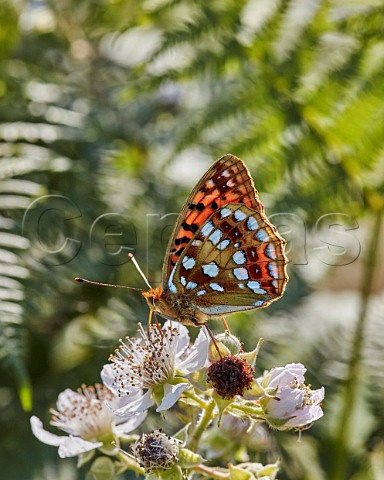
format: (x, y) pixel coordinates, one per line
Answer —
(225, 325)
(211, 335)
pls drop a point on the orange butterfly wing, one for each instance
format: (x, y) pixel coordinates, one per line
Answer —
(228, 181)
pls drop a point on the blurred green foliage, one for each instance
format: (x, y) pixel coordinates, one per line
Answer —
(109, 112)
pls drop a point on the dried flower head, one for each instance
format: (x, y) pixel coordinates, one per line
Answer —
(156, 450)
(230, 376)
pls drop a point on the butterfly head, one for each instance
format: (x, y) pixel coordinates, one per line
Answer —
(157, 302)
(153, 298)
(174, 307)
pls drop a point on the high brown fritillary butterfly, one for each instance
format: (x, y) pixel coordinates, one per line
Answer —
(224, 255)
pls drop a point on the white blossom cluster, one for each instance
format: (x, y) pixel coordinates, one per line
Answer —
(161, 367)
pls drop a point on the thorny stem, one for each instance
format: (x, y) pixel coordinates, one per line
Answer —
(343, 430)
(206, 417)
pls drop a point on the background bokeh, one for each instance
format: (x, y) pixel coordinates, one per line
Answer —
(110, 110)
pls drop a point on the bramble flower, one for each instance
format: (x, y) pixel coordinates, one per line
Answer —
(158, 363)
(288, 402)
(87, 419)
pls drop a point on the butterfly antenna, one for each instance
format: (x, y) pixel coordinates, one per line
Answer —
(99, 284)
(130, 255)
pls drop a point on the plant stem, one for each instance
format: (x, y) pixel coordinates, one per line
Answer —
(206, 417)
(352, 381)
(211, 472)
(196, 398)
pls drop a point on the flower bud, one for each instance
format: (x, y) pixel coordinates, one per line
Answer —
(230, 341)
(216, 351)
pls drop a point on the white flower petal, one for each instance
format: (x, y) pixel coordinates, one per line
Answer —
(305, 416)
(119, 403)
(171, 394)
(182, 340)
(44, 436)
(281, 377)
(318, 395)
(197, 357)
(131, 423)
(108, 377)
(287, 405)
(73, 446)
(137, 406)
(68, 446)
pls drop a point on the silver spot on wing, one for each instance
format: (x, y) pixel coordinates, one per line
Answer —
(241, 273)
(211, 269)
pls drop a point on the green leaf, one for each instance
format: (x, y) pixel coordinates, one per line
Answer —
(102, 469)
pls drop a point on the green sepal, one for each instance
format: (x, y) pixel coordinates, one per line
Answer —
(251, 357)
(158, 394)
(278, 423)
(255, 392)
(84, 458)
(237, 473)
(188, 459)
(269, 471)
(110, 444)
(182, 434)
(102, 468)
(152, 475)
(199, 379)
(222, 404)
(173, 473)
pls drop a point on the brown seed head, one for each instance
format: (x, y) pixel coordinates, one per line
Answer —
(230, 376)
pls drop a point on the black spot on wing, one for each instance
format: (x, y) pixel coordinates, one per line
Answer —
(190, 228)
(181, 240)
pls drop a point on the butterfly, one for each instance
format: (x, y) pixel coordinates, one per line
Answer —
(224, 256)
